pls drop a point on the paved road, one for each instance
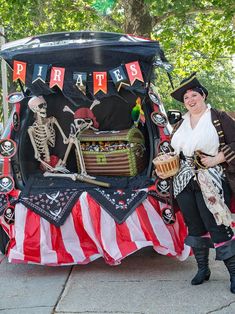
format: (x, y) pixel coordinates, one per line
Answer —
(145, 283)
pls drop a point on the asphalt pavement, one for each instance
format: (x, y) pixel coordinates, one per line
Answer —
(144, 283)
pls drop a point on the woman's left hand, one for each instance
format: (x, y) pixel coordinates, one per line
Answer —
(210, 161)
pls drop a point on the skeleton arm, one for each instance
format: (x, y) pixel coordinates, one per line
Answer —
(65, 139)
(80, 156)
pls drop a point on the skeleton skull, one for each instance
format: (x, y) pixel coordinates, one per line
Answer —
(168, 213)
(168, 216)
(82, 124)
(7, 145)
(163, 186)
(9, 215)
(165, 147)
(15, 120)
(38, 105)
(9, 212)
(160, 119)
(5, 182)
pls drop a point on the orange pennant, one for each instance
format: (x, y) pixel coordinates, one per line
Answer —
(57, 77)
(134, 72)
(100, 82)
(19, 71)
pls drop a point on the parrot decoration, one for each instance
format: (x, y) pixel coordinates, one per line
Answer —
(137, 113)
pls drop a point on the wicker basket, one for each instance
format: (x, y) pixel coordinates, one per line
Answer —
(168, 164)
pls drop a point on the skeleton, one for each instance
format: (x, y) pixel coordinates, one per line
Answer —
(42, 132)
(83, 119)
(7, 148)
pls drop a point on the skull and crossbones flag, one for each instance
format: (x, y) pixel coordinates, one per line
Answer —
(53, 205)
(119, 203)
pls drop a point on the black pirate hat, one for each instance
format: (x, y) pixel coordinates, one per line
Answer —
(190, 82)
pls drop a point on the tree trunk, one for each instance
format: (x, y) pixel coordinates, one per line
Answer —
(137, 18)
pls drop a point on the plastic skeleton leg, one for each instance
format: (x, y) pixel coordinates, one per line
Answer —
(72, 176)
(76, 176)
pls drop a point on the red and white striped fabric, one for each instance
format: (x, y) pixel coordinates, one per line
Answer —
(90, 232)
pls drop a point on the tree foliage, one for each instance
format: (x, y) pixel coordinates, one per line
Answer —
(195, 35)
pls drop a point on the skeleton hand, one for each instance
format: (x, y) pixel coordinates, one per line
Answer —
(65, 140)
(37, 155)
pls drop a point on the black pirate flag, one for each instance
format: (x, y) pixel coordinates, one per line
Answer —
(53, 205)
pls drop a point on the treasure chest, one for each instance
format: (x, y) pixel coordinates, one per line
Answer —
(113, 153)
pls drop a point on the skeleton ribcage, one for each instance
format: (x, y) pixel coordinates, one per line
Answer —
(44, 135)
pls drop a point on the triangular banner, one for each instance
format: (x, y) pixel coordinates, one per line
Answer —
(57, 77)
(100, 82)
(40, 72)
(80, 81)
(119, 77)
(134, 72)
(19, 71)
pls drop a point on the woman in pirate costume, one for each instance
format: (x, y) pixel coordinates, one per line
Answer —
(203, 187)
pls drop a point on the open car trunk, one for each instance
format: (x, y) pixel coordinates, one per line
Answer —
(104, 78)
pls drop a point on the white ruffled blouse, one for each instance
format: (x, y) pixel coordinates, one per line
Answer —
(187, 139)
(203, 137)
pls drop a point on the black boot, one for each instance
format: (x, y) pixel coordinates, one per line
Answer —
(201, 255)
(230, 264)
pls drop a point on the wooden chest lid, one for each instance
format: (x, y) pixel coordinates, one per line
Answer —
(133, 135)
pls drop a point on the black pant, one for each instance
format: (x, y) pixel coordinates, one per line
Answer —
(197, 216)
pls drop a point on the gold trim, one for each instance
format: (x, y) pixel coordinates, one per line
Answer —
(230, 154)
(226, 150)
(229, 160)
(185, 83)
